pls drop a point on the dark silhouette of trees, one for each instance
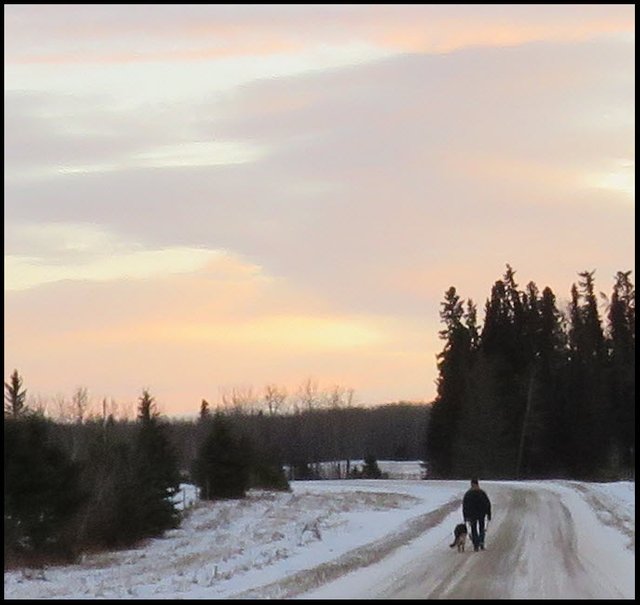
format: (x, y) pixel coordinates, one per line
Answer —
(14, 396)
(205, 413)
(155, 470)
(622, 347)
(41, 491)
(588, 400)
(222, 467)
(111, 514)
(130, 473)
(536, 394)
(370, 469)
(453, 365)
(544, 442)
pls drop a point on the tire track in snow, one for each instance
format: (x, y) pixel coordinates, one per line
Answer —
(533, 552)
(369, 554)
(607, 513)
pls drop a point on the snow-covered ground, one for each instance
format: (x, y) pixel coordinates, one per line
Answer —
(275, 544)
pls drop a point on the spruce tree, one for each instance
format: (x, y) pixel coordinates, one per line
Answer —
(156, 470)
(14, 397)
(621, 318)
(370, 469)
(588, 398)
(545, 426)
(41, 490)
(507, 372)
(222, 467)
(205, 414)
(453, 366)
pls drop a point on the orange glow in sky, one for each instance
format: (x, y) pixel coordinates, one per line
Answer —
(199, 197)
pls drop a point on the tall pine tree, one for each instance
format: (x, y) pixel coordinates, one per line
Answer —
(41, 491)
(222, 467)
(622, 345)
(156, 470)
(544, 427)
(453, 367)
(588, 397)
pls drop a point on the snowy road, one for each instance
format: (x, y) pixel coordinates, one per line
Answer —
(544, 542)
(369, 539)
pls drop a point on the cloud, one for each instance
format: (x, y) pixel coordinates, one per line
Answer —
(49, 136)
(88, 253)
(123, 35)
(396, 164)
(345, 198)
(227, 323)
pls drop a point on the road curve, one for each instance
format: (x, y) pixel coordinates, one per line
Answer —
(532, 552)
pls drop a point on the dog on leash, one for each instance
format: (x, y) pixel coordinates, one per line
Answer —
(459, 537)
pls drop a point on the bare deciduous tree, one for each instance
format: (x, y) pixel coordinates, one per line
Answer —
(239, 400)
(308, 395)
(63, 408)
(80, 403)
(340, 397)
(127, 411)
(274, 398)
(39, 404)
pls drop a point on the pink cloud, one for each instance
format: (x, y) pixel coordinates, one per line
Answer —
(112, 34)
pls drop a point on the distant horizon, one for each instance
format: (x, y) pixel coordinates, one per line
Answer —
(207, 197)
(126, 409)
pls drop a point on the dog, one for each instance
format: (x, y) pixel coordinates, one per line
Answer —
(459, 536)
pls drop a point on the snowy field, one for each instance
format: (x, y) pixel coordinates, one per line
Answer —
(276, 544)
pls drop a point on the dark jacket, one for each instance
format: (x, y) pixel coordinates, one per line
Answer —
(475, 505)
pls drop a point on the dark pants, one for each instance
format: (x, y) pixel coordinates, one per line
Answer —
(477, 532)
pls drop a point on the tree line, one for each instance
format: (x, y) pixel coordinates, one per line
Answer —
(536, 391)
(100, 482)
(106, 484)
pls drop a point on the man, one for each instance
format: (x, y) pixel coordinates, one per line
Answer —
(475, 507)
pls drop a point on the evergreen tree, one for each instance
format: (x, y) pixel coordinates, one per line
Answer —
(222, 466)
(517, 350)
(495, 330)
(536, 394)
(205, 414)
(483, 429)
(508, 366)
(471, 323)
(453, 366)
(41, 490)
(588, 397)
(370, 469)
(545, 428)
(532, 319)
(621, 316)
(14, 397)
(266, 470)
(155, 470)
(268, 474)
(147, 409)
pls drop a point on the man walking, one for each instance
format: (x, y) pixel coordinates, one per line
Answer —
(475, 507)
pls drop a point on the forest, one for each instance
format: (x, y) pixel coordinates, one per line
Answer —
(535, 391)
(94, 482)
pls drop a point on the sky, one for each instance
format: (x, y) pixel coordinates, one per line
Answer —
(201, 198)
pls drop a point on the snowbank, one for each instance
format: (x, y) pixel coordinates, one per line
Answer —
(241, 548)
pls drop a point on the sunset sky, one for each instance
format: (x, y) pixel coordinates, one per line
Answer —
(207, 197)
